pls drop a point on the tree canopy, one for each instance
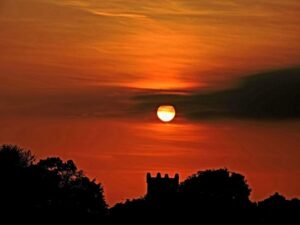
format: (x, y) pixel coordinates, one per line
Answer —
(50, 187)
(57, 190)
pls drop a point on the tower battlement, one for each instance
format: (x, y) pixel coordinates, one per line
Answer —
(161, 187)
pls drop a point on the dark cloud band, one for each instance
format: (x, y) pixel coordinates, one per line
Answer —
(269, 95)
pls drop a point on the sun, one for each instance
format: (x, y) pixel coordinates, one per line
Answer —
(166, 113)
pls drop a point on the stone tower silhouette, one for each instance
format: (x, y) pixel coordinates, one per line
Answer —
(161, 187)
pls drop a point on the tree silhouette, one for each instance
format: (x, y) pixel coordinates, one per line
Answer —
(215, 192)
(215, 186)
(65, 171)
(57, 190)
(277, 209)
(207, 196)
(13, 157)
(50, 188)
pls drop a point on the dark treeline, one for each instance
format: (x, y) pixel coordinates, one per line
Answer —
(51, 190)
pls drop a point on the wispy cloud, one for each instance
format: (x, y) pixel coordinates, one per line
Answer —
(87, 6)
(144, 44)
(108, 14)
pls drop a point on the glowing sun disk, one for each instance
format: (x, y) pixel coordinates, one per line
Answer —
(166, 113)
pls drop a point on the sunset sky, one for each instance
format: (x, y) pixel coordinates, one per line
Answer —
(81, 79)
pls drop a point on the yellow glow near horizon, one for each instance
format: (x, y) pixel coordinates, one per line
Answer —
(166, 113)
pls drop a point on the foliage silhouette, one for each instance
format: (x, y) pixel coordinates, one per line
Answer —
(13, 157)
(209, 197)
(56, 191)
(276, 209)
(217, 185)
(200, 197)
(50, 188)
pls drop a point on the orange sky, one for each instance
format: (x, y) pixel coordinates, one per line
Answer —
(69, 70)
(153, 44)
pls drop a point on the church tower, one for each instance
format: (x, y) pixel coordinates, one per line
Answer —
(159, 188)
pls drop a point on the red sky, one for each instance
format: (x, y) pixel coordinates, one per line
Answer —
(69, 70)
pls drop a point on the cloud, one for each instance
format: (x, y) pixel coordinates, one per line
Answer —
(90, 7)
(88, 102)
(126, 15)
(269, 95)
